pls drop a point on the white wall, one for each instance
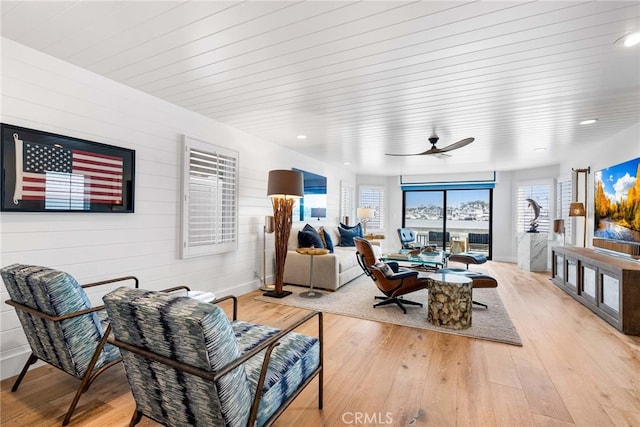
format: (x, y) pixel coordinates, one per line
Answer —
(618, 148)
(41, 92)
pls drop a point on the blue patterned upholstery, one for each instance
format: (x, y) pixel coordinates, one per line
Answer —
(291, 363)
(199, 334)
(68, 344)
(60, 325)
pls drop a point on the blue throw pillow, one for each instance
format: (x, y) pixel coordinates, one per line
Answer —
(307, 239)
(346, 236)
(357, 227)
(308, 227)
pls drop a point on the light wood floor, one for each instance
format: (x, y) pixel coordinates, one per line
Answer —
(573, 369)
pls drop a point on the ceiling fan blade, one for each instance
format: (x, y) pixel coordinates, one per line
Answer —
(457, 145)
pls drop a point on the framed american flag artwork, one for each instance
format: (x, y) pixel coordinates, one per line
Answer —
(46, 172)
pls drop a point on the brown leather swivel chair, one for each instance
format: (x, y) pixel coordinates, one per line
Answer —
(393, 286)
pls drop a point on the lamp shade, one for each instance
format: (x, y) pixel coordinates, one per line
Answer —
(558, 226)
(284, 183)
(365, 213)
(577, 209)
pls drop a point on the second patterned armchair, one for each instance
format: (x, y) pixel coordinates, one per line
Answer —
(188, 365)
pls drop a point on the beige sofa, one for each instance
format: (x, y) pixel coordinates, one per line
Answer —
(329, 271)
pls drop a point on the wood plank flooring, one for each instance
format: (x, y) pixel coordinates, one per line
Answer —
(573, 369)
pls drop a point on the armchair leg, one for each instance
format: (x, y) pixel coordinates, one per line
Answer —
(89, 376)
(135, 419)
(30, 361)
(480, 304)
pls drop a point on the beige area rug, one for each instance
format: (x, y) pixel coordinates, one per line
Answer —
(356, 299)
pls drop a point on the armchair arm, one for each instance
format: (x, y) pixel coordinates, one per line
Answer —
(395, 266)
(43, 315)
(402, 274)
(117, 279)
(235, 304)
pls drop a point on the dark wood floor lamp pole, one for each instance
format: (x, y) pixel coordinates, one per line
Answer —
(283, 187)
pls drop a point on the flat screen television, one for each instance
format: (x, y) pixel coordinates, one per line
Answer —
(617, 207)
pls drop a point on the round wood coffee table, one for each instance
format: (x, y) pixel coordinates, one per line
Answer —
(450, 299)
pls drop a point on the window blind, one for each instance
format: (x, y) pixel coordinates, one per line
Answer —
(210, 199)
(539, 193)
(373, 197)
(563, 200)
(346, 201)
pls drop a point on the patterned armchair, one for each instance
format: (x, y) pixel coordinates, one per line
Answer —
(61, 327)
(188, 365)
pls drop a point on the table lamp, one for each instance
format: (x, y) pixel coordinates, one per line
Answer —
(318, 213)
(577, 209)
(284, 187)
(365, 215)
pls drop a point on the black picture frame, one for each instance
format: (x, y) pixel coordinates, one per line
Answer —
(47, 172)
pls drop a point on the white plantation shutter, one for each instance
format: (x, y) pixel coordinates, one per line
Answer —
(373, 197)
(210, 199)
(563, 199)
(347, 207)
(539, 193)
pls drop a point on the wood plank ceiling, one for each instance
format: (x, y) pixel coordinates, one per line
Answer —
(361, 79)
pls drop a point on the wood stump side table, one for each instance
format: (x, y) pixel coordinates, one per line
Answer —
(450, 300)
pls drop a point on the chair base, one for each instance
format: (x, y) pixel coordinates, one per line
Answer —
(398, 301)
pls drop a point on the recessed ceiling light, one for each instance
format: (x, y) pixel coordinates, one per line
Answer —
(346, 163)
(540, 149)
(588, 122)
(629, 40)
(302, 137)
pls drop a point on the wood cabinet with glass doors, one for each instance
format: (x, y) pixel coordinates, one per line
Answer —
(606, 284)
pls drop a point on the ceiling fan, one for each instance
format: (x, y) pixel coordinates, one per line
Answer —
(439, 152)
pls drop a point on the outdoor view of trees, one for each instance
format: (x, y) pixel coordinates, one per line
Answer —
(622, 211)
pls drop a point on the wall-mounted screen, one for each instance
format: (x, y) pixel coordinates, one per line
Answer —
(315, 197)
(45, 172)
(617, 202)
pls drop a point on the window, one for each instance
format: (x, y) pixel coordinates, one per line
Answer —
(541, 195)
(209, 199)
(373, 197)
(440, 216)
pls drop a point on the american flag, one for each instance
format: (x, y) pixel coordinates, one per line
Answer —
(52, 172)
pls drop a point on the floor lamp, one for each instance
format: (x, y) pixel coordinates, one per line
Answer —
(267, 228)
(284, 187)
(580, 209)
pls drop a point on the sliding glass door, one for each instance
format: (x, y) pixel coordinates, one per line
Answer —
(455, 220)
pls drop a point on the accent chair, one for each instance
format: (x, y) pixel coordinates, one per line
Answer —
(61, 326)
(189, 365)
(388, 277)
